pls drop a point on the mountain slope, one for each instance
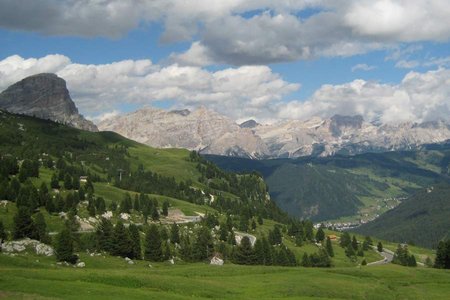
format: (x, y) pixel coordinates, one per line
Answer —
(362, 186)
(44, 96)
(423, 219)
(211, 133)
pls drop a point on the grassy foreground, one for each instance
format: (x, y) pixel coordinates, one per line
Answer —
(32, 277)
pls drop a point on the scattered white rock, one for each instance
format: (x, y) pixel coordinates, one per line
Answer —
(4, 203)
(150, 266)
(22, 245)
(125, 216)
(130, 262)
(107, 215)
(81, 264)
(216, 261)
(172, 261)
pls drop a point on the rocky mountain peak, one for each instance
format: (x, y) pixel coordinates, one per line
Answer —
(249, 124)
(44, 96)
(339, 123)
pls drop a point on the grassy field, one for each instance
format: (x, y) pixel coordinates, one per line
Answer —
(31, 277)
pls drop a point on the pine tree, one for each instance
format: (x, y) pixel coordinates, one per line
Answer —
(306, 262)
(67, 181)
(260, 220)
(320, 235)
(135, 241)
(104, 235)
(354, 243)
(203, 244)
(165, 208)
(23, 224)
(75, 182)
(174, 234)
(245, 255)
(59, 203)
(380, 247)
(329, 247)
(349, 251)
(41, 228)
(43, 194)
(3, 235)
(441, 255)
(275, 236)
(100, 205)
(153, 248)
(259, 252)
(54, 183)
(167, 252)
(229, 223)
(122, 241)
(137, 204)
(345, 240)
(299, 238)
(50, 205)
(155, 213)
(186, 248)
(231, 238)
(243, 223)
(64, 247)
(81, 193)
(253, 225)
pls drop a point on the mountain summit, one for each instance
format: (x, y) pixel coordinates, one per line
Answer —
(44, 96)
(212, 133)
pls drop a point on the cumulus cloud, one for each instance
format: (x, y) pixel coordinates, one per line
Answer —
(363, 67)
(242, 32)
(99, 89)
(419, 97)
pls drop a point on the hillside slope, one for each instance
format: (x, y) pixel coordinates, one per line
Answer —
(361, 186)
(423, 219)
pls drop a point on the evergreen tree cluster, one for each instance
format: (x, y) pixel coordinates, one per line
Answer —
(403, 257)
(442, 260)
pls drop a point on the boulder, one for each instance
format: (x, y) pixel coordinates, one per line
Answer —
(216, 261)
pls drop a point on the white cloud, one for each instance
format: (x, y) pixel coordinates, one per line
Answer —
(407, 64)
(221, 34)
(363, 67)
(99, 89)
(419, 97)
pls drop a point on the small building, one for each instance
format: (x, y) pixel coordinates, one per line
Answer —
(83, 179)
(333, 237)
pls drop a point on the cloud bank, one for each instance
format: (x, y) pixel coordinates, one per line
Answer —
(243, 92)
(243, 32)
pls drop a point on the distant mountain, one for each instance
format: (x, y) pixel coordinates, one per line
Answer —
(423, 219)
(362, 186)
(203, 130)
(211, 133)
(44, 96)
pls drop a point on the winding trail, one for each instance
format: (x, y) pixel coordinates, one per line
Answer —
(388, 256)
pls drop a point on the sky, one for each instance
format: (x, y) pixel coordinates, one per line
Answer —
(387, 60)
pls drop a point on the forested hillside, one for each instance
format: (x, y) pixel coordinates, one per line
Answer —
(423, 219)
(361, 186)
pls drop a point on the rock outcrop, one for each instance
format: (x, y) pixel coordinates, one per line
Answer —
(44, 96)
(211, 133)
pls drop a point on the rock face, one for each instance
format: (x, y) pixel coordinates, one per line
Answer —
(212, 133)
(44, 96)
(202, 130)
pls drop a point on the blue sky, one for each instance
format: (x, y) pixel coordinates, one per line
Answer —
(279, 55)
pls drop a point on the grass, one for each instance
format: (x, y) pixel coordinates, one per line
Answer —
(112, 278)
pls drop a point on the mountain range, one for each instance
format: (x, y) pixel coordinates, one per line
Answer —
(212, 133)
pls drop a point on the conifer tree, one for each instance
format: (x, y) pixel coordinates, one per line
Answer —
(306, 262)
(354, 243)
(50, 205)
(442, 260)
(41, 228)
(253, 225)
(43, 194)
(67, 181)
(231, 238)
(104, 234)
(75, 182)
(165, 208)
(320, 235)
(155, 213)
(137, 204)
(174, 234)
(153, 248)
(135, 241)
(3, 235)
(64, 247)
(380, 247)
(122, 241)
(54, 183)
(186, 248)
(345, 240)
(100, 205)
(268, 252)
(329, 247)
(23, 224)
(245, 255)
(203, 244)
